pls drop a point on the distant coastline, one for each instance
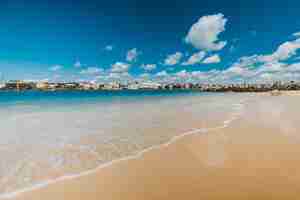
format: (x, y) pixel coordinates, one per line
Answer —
(19, 85)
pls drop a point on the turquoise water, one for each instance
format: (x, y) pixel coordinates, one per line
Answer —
(8, 98)
(47, 135)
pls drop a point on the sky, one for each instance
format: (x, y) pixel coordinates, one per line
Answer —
(166, 41)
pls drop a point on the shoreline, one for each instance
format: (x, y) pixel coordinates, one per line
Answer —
(105, 165)
(138, 156)
(135, 156)
(254, 157)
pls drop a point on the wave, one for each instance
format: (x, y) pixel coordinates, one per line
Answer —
(238, 111)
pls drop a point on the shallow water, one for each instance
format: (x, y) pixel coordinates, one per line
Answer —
(47, 135)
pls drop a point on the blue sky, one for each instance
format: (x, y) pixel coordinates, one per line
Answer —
(191, 40)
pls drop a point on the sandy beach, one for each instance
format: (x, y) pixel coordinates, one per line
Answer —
(255, 157)
(150, 100)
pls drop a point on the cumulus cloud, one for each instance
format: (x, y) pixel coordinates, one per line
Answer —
(271, 67)
(266, 72)
(173, 59)
(91, 71)
(204, 34)
(295, 67)
(240, 71)
(297, 34)
(132, 55)
(109, 77)
(283, 52)
(235, 71)
(117, 75)
(56, 68)
(212, 59)
(195, 58)
(120, 67)
(247, 61)
(182, 74)
(270, 72)
(162, 73)
(148, 67)
(145, 76)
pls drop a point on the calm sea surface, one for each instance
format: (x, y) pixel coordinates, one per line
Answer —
(47, 135)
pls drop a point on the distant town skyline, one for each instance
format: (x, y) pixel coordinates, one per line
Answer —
(275, 87)
(170, 41)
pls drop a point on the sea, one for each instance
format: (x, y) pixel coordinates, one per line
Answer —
(49, 135)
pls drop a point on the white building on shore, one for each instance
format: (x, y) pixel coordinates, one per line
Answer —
(42, 85)
(112, 86)
(149, 85)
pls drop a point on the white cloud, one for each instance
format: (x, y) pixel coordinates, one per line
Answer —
(183, 74)
(56, 77)
(295, 67)
(108, 48)
(173, 59)
(235, 70)
(283, 52)
(132, 55)
(91, 71)
(271, 67)
(205, 32)
(148, 67)
(266, 72)
(111, 77)
(145, 76)
(56, 68)
(247, 61)
(77, 64)
(120, 67)
(297, 34)
(195, 58)
(162, 73)
(114, 76)
(212, 59)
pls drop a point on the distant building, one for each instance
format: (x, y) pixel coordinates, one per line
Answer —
(42, 85)
(188, 86)
(89, 86)
(133, 86)
(112, 86)
(19, 85)
(71, 85)
(149, 85)
(2, 86)
(205, 87)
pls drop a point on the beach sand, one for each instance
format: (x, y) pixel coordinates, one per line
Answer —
(255, 157)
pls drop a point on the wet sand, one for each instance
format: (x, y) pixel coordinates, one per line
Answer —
(256, 157)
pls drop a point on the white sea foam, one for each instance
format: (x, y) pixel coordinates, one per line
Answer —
(196, 111)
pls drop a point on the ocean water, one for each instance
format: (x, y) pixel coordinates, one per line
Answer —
(49, 135)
